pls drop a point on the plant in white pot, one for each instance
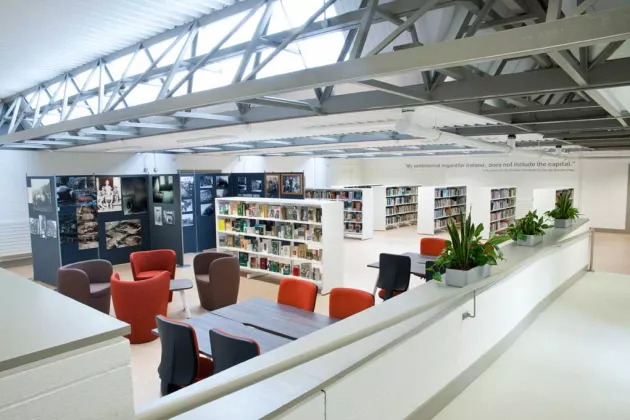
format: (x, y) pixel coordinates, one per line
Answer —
(528, 230)
(564, 214)
(465, 258)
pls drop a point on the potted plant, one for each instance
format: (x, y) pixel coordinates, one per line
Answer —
(564, 214)
(528, 230)
(465, 258)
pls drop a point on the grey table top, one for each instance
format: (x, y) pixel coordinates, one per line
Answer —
(418, 262)
(278, 319)
(180, 284)
(38, 323)
(204, 323)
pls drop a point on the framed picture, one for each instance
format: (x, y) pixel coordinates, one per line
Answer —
(292, 184)
(272, 185)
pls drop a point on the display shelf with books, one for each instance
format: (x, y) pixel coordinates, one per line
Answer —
(395, 206)
(284, 237)
(437, 205)
(357, 208)
(494, 207)
(545, 199)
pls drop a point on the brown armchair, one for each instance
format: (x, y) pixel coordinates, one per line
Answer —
(218, 278)
(87, 282)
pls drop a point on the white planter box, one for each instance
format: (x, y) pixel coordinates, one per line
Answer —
(562, 223)
(461, 278)
(532, 240)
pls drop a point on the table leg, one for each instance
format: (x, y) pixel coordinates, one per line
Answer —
(186, 308)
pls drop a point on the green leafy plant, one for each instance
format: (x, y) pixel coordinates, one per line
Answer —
(465, 250)
(564, 208)
(531, 224)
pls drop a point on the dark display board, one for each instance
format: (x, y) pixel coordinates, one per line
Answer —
(284, 185)
(165, 212)
(43, 223)
(247, 184)
(188, 187)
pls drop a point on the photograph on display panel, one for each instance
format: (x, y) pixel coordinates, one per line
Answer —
(169, 217)
(188, 219)
(68, 228)
(109, 197)
(42, 226)
(41, 195)
(256, 186)
(223, 186)
(292, 184)
(205, 196)
(76, 191)
(187, 186)
(51, 229)
(207, 209)
(206, 181)
(163, 189)
(34, 223)
(87, 227)
(157, 216)
(241, 184)
(134, 195)
(272, 185)
(123, 233)
(187, 206)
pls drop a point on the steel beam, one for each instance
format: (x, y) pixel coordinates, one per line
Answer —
(204, 116)
(283, 103)
(540, 108)
(396, 90)
(606, 53)
(149, 125)
(583, 6)
(364, 28)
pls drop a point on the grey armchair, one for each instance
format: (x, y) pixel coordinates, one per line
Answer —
(218, 278)
(87, 282)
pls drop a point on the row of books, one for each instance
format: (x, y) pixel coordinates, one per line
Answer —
(450, 202)
(401, 191)
(266, 211)
(390, 211)
(502, 204)
(449, 192)
(279, 230)
(441, 223)
(304, 270)
(448, 211)
(271, 247)
(353, 217)
(334, 195)
(503, 193)
(353, 205)
(350, 227)
(503, 214)
(403, 218)
(499, 226)
(394, 201)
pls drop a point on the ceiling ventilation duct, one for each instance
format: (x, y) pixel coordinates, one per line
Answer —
(414, 125)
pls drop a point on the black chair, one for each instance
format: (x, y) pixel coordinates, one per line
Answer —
(229, 350)
(181, 363)
(428, 273)
(393, 275)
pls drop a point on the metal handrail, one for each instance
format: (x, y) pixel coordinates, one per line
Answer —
(174, 404)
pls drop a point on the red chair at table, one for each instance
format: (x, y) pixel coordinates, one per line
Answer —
(148, 264)
(139, 302)
(432, 246)
(300, 294)
(345, 302)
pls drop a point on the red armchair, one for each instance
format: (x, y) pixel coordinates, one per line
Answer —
(139, 302)
(148, 264)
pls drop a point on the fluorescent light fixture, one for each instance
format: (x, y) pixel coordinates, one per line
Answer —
(239, 145)
(429, 153)
(413, 147)
(369, 154)
(207, 148)
(70, 137)
(206, 139)
(373, 149)
(275, 154)
(398, 154)
(336, 151)
(49, 142)
(24, 146)
(107, 132)
(466, 151)
(282, 142)
(304, 153)
(180, 150)
(124, 149)
(324, 138)
(149, 125)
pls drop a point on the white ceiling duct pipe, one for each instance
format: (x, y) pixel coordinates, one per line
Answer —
(409, 124)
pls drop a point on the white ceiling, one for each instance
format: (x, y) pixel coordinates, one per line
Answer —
(40, 39)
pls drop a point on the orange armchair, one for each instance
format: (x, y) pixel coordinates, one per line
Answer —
(432, 246)
(139, 302)
(345, 302)
(148, 264)
(300, 294)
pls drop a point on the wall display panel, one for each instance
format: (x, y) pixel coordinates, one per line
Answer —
(247, 184)
(43, 224)
(164, 207)
(188, 188)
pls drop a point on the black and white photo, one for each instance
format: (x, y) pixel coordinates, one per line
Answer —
(187, 206)
(34, 223)
(42, 226)
(223, 186)
(123, 233)
(272, 186)
(206, 181)
(87, 227)
(163, 189)
(76, 191)
(188, 219)
(68, 228)
(256, 185)
(109, 195)
(41, 195)
(157, 216)
(205, 196)
(169, 217)
(51, 229)
(187, 185)
(134, 194)
(292, 184)
(241, 184)
(207, 209)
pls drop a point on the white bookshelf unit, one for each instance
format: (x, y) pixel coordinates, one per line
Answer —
(358, 209)
(395, 206)
(495, 207)
(284, 238)
(436, 205)
(544, 199)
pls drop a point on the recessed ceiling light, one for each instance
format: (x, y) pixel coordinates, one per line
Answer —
(239, 145)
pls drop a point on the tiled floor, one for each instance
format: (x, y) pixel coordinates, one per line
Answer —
(610, 255)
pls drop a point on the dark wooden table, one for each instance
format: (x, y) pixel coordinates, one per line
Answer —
(418, 262)
(204, 323)
(283, 320)
(179, 285)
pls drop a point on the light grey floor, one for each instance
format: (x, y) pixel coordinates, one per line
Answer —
(570, 364)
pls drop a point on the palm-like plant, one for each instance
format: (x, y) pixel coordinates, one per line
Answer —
(564, 208)
(531, 224)
(465, 250)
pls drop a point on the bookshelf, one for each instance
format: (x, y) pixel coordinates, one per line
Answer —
(395, 206)
(436, 205)
(544, 199)
(358, 209)
(495, 207)
(284, 238)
